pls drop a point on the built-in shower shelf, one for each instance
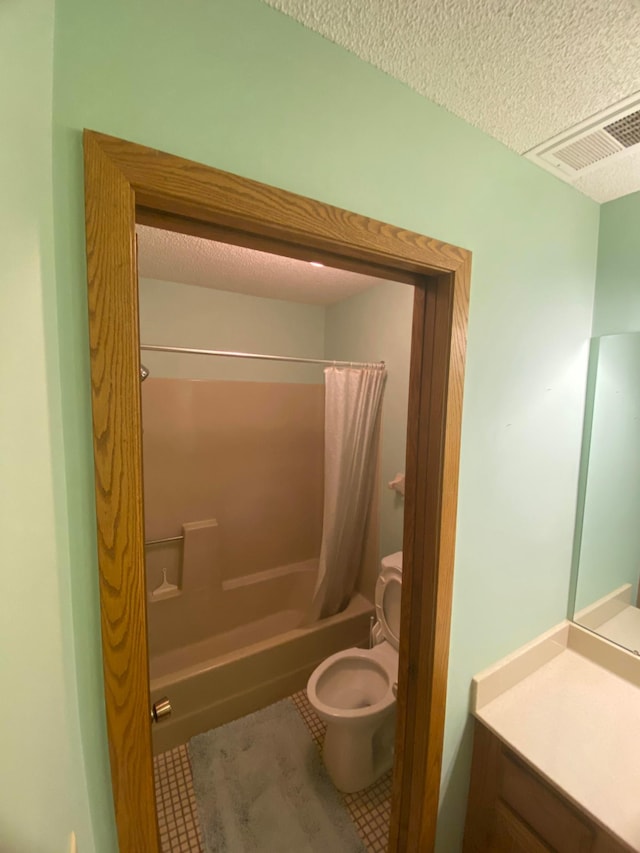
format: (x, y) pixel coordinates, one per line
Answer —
(153, 598)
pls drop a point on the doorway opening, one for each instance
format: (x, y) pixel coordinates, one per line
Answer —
(128, 184)
(259, 469)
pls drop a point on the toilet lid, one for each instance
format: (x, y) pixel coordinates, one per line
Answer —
(388, 594)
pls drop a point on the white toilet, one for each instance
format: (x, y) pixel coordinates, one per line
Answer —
(354, 692)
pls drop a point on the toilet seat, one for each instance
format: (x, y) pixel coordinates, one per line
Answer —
(353, 684)
(387, 601)
(388, 592)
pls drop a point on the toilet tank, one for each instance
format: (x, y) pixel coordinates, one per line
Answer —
(393, 561)
(388, 595)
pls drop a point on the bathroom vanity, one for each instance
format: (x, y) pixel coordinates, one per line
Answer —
(556, 762)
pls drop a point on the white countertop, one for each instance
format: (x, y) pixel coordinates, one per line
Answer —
(574, 720)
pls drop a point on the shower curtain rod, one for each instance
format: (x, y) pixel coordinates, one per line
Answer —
(153, 348)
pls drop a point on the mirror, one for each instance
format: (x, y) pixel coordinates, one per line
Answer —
(609, 503)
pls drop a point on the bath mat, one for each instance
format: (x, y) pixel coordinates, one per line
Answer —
(261, 787)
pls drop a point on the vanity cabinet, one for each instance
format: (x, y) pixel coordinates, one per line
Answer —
(512, 809)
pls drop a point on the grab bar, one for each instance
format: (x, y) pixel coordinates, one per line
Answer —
(163, 541)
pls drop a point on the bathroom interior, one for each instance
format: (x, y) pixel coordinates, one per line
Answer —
(273, 504)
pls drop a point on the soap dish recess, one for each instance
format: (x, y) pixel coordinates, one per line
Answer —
(165, 590)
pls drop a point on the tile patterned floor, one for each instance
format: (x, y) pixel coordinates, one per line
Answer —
(176, 803)
(370, 810)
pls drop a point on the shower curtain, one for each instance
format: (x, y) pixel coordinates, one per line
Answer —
(353, 403)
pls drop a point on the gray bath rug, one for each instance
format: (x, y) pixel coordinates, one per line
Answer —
(261, 787)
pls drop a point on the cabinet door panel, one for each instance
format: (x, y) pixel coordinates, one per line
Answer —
(511, 835)
(556, 822)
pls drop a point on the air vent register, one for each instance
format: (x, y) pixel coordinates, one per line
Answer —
(585, 146)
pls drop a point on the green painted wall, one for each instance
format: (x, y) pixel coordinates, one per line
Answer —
(243, 88)
(372, 326)
(617, 300)
(186, 315)
(610, 548)
(42, 783)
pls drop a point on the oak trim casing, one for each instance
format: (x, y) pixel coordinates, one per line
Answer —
(125, 183)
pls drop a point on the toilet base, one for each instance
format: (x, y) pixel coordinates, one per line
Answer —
(355, 757)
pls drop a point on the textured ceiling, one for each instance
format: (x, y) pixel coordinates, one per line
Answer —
(168, 256)
(520, 70)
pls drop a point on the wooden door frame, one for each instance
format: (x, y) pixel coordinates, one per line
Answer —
(127, 183)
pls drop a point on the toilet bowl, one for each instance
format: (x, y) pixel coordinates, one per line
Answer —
(353, 691)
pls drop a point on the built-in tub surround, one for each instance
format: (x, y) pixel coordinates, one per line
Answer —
(248, 454)
(234, 477)
(233, 674)
(568, 705)
(236, 469)
(202, 615)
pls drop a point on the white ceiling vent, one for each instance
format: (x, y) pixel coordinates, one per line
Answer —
(582, 148)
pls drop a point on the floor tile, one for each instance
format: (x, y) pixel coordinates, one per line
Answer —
(178, 823)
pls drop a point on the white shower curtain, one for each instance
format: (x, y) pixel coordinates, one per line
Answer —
(353, 402)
